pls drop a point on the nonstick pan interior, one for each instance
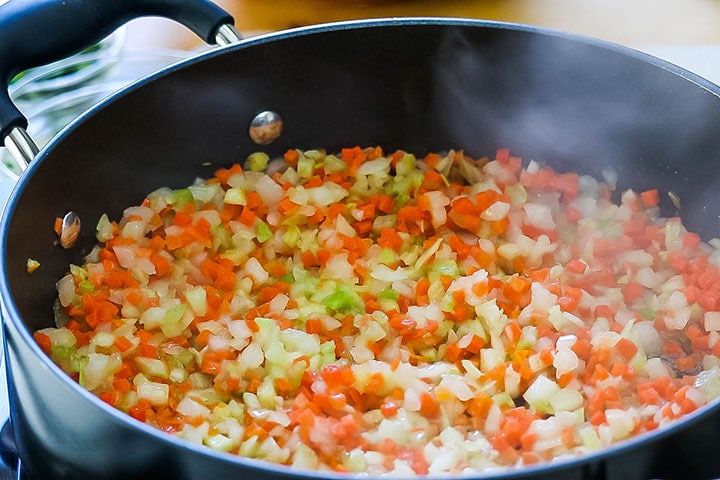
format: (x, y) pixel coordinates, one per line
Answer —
(572, 103)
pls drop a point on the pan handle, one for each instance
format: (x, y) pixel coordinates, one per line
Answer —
(36, 32)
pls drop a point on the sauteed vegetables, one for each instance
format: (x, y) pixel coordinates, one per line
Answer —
(365, 312)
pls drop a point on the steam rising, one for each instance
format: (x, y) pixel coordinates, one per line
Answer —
(582, 106)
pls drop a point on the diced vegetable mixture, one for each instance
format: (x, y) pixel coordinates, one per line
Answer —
(365, 312)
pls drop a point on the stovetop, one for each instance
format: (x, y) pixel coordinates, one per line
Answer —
(703, 60)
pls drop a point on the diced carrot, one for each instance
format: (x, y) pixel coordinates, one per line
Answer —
(224, 174)
(576, 266)
(122, 385)
(429, 406)
(212, 360)
(422, 304)
(582, 348)
(57, 227)
(633, 291)
(247, 217)
(149, 351)
(647, 395)
(546, 356)
(291, 158)
(162, 264)
(44, 341)
(475, 345)
(627, 348)
(203, 338)
(453, 353)
(598, 418)
(688, 363)
(691, 240)
(182, 219)
(123, 344)
(650, 198)
(111, 398)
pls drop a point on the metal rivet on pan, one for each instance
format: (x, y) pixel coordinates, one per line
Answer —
(266, 127)
(69, 230)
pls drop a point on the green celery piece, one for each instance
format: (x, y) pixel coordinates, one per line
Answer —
(257, 161)
(344, 300)
(264, 233)
(182, 197)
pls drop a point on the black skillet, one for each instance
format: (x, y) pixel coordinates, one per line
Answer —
(418, 84)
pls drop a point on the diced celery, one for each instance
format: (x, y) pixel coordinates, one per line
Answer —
(443, 268)
(104, 229)
(222, 239)
(197, 299)
(200, 380)
(406, 164)
(86, 286)
(295, 373)
(292, 236)
(172, 324)
(389, 294)
(237, 257)
(503, 399)
(182, 197)
(103, 339)
(60, 337)
(235, 196)
(344, 300)
(266, 394)
(232, 409)
(305, 457)
(156, 393)
(68, 358)
(334, 164)
(709, 382)
(152, 367)
(263, 232)
(257, 161)
(373, 332)
(250, 447)
(327, 353)
(539, 394)
(97, 369)
(204, 193)
(299, 341)
(78, 271)
(306, 166)
(288, 277)
(275, 353)
(566, 400)
(219, 442)
(387, 256)
(268, 333)
(491, 358)
(590, 438)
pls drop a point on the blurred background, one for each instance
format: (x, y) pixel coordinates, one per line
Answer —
(635, 22)
(684, 32)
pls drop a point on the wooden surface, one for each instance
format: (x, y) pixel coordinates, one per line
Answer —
(628, 22)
